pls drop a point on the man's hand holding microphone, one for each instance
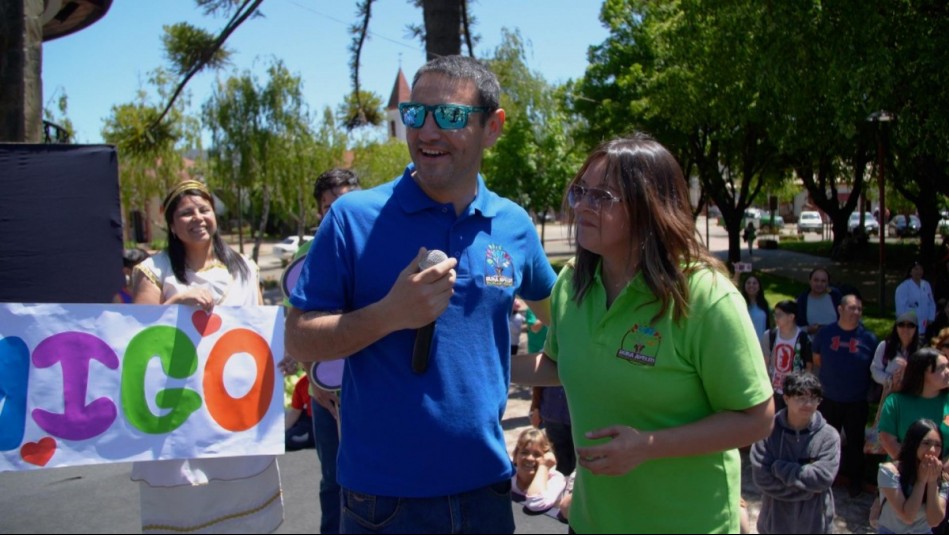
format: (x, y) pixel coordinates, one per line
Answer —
(421, 293)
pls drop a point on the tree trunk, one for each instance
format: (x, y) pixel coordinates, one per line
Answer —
(240, 219)
(262, 226)
(819, 180)
(21, 85)
(442, 27)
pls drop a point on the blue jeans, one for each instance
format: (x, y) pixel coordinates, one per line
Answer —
(484, 510)
(326, 436)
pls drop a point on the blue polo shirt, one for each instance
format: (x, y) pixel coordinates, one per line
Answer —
(436, 433)
(845, 361)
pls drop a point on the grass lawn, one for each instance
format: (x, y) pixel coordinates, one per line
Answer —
(778, 288)
(861, 263)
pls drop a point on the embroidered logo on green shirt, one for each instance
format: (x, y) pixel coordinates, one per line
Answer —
(640, 345)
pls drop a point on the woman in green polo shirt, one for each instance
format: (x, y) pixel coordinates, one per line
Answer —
(654, 346)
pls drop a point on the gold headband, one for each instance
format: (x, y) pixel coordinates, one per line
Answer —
(182, 187)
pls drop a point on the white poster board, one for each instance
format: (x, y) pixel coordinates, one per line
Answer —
(86, 384)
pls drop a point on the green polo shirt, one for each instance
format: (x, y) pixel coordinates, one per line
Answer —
(620, 367)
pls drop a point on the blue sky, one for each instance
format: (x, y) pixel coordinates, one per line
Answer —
(107, 63)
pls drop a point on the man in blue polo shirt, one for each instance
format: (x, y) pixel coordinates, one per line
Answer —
(844, 351)
(424, 452)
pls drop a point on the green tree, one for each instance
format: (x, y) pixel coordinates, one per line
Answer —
(532, 162)
(916, 142)
(820, 60)
(150, 159)
(379, 162)
(63, 130)
(364, 111)
(255, 130)
(687, 72)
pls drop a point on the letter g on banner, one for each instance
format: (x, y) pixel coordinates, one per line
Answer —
(179, 359)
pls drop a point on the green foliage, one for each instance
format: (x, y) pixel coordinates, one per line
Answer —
(748, 93)
(686, 72)
(532, 162)
(778, 288)
(265, 148)
(150, 153)
(61, 118)
(365, 111)
(186, 46)
(376, 163)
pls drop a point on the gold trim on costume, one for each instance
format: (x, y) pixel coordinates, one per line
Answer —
(184, 186)
(167, 528)
(148, 274)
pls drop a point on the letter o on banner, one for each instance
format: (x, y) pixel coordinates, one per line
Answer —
(239, 414)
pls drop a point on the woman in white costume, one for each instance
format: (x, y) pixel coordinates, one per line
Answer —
(215, 495)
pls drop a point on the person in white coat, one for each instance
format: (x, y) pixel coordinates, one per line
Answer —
(916, 294)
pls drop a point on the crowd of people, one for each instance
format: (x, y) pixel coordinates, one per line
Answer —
(820, 341)
(648, 375)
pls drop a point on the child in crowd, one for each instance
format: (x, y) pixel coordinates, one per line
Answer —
(536, 482)
(795, 467)
(130, 259)
(298, 426)
(786, 348)
(913, 487)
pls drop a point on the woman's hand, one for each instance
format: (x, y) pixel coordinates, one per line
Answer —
(195, 297)
(327, 400)
(930, 469)
(897, 376)
(550, 460)
(288, 366)
(626, 449)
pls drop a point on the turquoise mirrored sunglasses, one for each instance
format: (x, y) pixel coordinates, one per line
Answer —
(447, 116)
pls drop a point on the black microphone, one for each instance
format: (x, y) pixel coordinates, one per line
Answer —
(423, 338)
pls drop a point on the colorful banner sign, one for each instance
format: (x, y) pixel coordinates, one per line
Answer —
(87, 384)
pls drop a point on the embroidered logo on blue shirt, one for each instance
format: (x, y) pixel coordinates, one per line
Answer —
(499, 263)
(640, 345)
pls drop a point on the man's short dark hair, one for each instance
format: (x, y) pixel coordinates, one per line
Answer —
(802, 383)
(467, 68)
(332, 179)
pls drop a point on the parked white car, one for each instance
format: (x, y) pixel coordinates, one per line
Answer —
(289, 247)
(810, 221)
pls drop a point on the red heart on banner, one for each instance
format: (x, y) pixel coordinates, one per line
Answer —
(205, 323)
(39, 453)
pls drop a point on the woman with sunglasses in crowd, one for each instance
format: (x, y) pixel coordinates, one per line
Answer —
(913, 487)
(891, 354)
(221, 494)
(660, 362)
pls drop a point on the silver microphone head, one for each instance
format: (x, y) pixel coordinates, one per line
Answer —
(433, 257)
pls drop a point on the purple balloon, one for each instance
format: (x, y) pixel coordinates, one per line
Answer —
(327, 375)
(291, 275)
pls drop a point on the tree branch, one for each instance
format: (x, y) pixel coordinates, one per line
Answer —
(248, 8)
(364, 9)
